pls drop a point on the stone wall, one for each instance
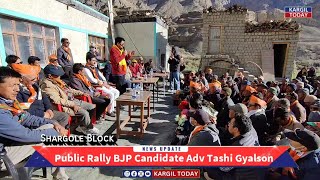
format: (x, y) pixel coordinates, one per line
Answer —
(244, 47)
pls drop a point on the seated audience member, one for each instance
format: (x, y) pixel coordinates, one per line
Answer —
(263, 89)
(148, 66)
(300, 85)
(284, 84)
(135, 69)
(247, 93)
(308, 101)
(239, 127)
(97, 80)
(204, 81)
(302, 93)
(305, 147)
(286, 120)
(13, 59)
(80, 82)
(314, 115)
(93, 50)
(271, 97)
(30, 95)
(205, 133)
(258, 117)
(53, 59)
(35, 61)
(60, 93)
(213, 94)
(223, 107)
(296, 108)
(19, 128)
(208, 75)
(250, 137)
(291, 88)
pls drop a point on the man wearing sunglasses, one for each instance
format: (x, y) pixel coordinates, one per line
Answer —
(65, 58)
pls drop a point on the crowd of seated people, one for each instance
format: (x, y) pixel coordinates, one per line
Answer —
(48, 100)
(233, 111)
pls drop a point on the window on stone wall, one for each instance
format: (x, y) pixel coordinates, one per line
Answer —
(26, 39)
(100, 44)
(214, 40)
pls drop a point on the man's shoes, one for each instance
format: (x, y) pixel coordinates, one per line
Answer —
(112, 114)
(87, 131)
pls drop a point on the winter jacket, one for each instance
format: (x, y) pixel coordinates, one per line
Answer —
(309, 166)
(209, 136)
(12, 131)
(115, 57)
(260, 124)
(174, 64)
(59, 96)
(40, 105)
(62, 58)
(223, 109)
(299, 111)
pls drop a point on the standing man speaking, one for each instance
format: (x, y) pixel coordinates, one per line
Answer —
(119, 57)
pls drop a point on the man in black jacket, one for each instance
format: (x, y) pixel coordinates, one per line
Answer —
(223, 107)
(79, 82)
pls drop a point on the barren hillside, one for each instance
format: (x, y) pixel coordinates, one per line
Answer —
(181, 12)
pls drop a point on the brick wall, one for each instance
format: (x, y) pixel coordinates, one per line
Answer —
(244, 47)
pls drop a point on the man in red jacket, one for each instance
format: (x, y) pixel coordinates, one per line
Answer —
(119, 57)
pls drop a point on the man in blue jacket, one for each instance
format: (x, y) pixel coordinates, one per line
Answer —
(18, 127)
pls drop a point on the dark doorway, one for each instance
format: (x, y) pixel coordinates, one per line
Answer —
(280, 51)
(163, 60)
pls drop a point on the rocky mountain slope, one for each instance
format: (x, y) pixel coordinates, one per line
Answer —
(182, 12)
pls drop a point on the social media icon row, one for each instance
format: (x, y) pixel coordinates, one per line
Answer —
(137, 173)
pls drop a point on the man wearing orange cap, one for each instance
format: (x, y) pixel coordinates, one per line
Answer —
(213, 94)
(31, 97)
(256, 108)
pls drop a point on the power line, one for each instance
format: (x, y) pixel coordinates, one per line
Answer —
(131, 39)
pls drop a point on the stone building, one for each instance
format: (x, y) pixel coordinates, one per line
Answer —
(146, 33)
(231, 42)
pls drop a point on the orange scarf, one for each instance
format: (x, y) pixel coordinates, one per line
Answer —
(84, 80)
(290, 121)
(15, 110)
(60, 83)
(293, 104)
(68, 51)
(33, 92)
(92, 69)
(196, 131)
(123, 62)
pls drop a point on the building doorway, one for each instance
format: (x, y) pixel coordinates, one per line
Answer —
(280, 55)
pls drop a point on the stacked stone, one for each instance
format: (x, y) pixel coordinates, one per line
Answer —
(243, 46)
